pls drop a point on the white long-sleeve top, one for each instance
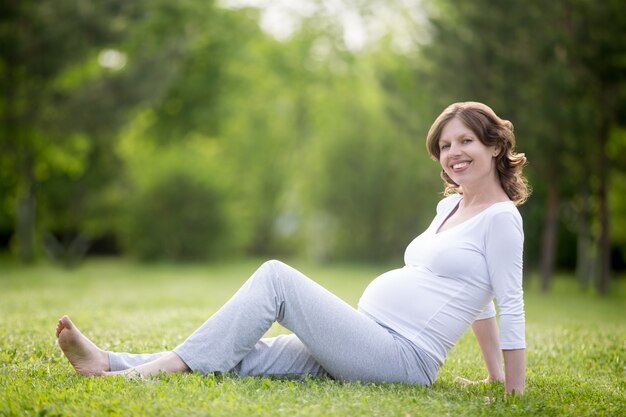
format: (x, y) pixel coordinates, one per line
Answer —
(450, 279)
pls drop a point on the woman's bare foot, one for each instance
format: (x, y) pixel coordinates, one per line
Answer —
(86, 358)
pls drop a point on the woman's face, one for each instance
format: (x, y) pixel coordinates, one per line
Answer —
(466, 160)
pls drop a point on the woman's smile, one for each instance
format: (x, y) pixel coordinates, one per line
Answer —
(460, 166)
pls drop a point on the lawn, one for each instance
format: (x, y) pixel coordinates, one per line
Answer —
(576, 349)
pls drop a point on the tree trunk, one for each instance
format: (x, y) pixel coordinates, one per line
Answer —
(604, 240)
(584, 247)
(549, 240)
(25, 214)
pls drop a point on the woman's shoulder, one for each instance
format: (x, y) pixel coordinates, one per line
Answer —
(506, 209)
(502, 215)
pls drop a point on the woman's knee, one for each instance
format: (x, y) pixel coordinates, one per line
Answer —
(275, 270)
(269, 270)
(272, 264)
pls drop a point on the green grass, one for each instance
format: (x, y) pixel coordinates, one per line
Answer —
(576, 349)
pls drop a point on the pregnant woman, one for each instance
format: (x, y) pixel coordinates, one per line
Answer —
(407, 319)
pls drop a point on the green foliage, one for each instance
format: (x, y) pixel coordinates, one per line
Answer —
(175, 218)
(317, 149)
(175, 209)
(364, 182)
(575, 356)
(59, 103)
(556, 70)
(260, 131)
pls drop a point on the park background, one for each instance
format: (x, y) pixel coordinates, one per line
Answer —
(154, 152)
(202, 130)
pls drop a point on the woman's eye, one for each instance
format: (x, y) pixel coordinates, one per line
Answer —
(467, 140)
(446, 146)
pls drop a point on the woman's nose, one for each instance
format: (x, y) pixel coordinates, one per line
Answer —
(455, 149)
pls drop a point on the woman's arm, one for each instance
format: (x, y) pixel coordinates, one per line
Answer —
(515, 370)
(504, 255)
(486, 332)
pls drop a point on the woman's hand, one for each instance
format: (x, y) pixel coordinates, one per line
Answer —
(466, 382)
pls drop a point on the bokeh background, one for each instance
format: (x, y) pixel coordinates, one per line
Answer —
(197, 130)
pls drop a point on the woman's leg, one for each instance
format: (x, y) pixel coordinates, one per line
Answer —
(121, 360)
(331, 337)
(88, 359)
(284, 356)
(347, 344)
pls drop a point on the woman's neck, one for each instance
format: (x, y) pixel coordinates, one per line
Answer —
(486, 196)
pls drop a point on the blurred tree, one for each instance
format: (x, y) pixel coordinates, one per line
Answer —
(314, 161)
(233, 90)
(598, 57)
(312, 142)
(174, 208)
(35, 51)
(69, 88)
(369, 186)
(256, 128)
(532, 61)
(617, 147)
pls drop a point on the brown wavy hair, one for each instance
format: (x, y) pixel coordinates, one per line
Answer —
(491, 131)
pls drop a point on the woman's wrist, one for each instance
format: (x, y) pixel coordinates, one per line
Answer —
(515, 370)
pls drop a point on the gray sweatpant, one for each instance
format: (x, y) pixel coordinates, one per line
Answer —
(329, 336)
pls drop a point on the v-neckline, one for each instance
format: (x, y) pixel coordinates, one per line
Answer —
(448, 215)
(454, 209)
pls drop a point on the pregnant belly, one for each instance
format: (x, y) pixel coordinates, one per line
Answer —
(407, 297)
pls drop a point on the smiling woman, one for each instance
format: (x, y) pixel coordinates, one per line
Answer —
(472, 121)
(464, 158)
(408, 319)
